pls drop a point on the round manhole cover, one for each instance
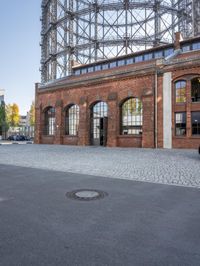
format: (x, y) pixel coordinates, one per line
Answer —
(86, 194)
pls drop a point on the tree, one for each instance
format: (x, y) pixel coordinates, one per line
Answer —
(3, 123)
(12, 114)
(32, 114)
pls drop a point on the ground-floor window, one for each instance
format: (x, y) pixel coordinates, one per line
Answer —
(131, 117)
(180, 124)
(49, 121)
(195, 123)
(72, 120)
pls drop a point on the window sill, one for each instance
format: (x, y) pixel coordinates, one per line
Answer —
(129, 136)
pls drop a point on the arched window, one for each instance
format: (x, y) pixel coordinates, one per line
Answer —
(72, 120)
(131, 117)
(180, 87)
(195, 89)
(49, 121)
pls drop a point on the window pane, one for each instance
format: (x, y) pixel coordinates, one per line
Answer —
(129, 61)
(138, 58)
(122, 62)
(186, 48)
(72, 120)
(49, 124)
(168, 52)
(195, 123)
(180, 87)
(131, 117)
(180, 124)
(195, 90)
(148, 56)
(196, 46)
(158, 54)
(98, 67)
(113, 64)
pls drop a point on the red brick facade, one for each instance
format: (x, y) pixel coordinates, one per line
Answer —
(142, 80)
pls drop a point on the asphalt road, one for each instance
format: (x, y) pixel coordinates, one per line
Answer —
(138, 223)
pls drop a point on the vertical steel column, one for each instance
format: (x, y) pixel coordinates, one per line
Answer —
(43, 42)
(71, 36)
(157, 22)
(54, 40)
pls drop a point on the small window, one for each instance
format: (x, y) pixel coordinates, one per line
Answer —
(49, 121)
(72, 120)
(195, 87)
(113, 64)
(122, 62)
(105, 66)
(180, 87)
(148, 56)
(168, 52)
(195, 123)
(90, 69)
(180, 124)
(83, 70)
(97, 67)
(138, 59)
(129, 61)
(77, 72)
(186, 48)
(196, 46)
(158, 54)
(131, 117)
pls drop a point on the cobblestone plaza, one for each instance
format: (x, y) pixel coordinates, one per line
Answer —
(174, 167)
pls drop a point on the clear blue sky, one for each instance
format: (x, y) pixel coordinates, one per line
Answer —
(19, 50)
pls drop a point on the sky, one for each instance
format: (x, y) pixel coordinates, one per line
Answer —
(19, 50)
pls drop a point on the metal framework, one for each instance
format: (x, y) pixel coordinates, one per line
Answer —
(83, 31)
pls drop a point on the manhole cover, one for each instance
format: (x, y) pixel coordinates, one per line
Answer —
(86, 194)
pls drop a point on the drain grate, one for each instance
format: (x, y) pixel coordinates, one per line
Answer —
(86, 194)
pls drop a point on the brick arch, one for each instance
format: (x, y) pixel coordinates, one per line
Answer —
(67, 106)
(47, 106)
(186, 77)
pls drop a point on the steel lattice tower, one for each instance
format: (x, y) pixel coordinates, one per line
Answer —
(83, 31)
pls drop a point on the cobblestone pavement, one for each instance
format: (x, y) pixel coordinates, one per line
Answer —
(177, 167)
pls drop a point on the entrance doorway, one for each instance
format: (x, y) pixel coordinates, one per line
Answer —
(99, 124)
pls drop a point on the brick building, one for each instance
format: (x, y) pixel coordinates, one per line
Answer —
(147, 99)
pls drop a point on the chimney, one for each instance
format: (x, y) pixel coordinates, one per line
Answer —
(178, 39)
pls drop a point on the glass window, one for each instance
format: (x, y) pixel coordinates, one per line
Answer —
(105, 66)
(195, 87)
(83, 70)
(168, 52)
(72, 120)
(129, 61)
(138, 58)
(196, 46)
(77, 72)
(180, 124)
(113, 64)
(122, 62)
(186, 48)
(195, 123)
(148, 56)
(180, 87)
(90, 69)
(49, 121)
(97, 67)
(131, 117)
(158, 54)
